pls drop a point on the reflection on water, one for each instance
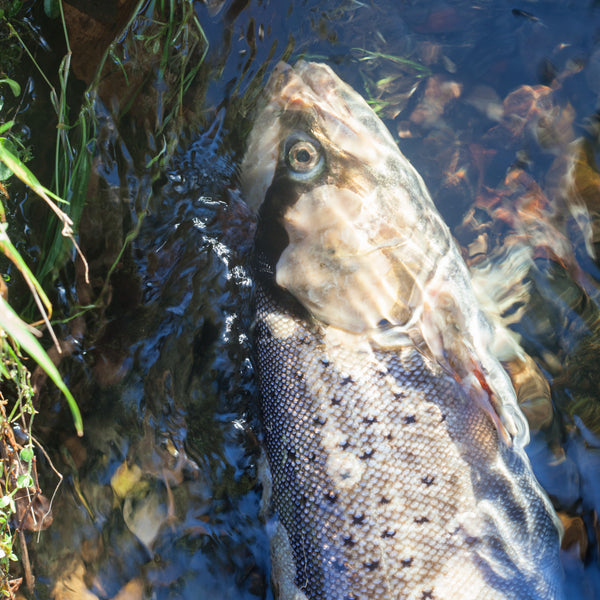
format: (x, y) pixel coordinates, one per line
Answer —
(162, 495)
(495, 105)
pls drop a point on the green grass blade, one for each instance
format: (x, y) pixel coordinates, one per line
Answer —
(14, 86)
(6, 126)
(9, 250)
(369, 55)
(24, 174)
(19, 331)
(27, 177)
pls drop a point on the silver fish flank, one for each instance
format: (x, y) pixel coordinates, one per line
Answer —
(393, 436)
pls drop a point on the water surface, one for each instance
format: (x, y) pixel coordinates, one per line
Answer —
(160, 498)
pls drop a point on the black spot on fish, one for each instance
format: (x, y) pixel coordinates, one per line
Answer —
(371, 566)
(384, 500)
(312, 457)
(428, 480)
(348, 540)
(428, 595)
(345, 445)
(338, 565)
(347, 380)
(335, 401)
(444, 416)
(410, 419)
(389, 436)
(369, 420)
(319, 420)
(324, 362)
(388, 533)
(331, 497)
(358, 519)
(399, 395)
(368, 454)
(406, 562)
(421, 520)
(381, 373)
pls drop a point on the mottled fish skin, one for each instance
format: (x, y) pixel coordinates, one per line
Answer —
(389, 478)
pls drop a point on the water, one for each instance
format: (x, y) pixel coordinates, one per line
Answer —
(160, 498)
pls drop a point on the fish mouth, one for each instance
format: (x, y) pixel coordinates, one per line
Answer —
(310, 77)
(315, 88)
(288, 85)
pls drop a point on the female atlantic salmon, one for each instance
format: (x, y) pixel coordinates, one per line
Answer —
(393, 436)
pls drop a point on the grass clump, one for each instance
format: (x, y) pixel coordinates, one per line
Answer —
(155, 66)
(22, 504)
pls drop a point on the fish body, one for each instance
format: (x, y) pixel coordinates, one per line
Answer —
(393, 436)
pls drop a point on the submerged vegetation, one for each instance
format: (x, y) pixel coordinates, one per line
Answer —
(22, 505)
(172, 42)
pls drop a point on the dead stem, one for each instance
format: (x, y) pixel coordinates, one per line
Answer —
(29, 578)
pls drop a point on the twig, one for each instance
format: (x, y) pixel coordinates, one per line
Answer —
(29, 578)
(60, 480)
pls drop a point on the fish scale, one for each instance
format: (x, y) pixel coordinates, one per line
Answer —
(393, 435)
(379, 481)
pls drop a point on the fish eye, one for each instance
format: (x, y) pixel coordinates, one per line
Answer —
(303, 156)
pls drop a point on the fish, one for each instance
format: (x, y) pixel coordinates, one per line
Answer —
(393, 437)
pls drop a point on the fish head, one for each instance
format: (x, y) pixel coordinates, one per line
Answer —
(337, 204)
(347, 228)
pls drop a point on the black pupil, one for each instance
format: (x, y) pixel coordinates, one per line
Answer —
(303, 156)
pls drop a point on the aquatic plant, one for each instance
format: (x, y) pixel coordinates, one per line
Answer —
(72, 161)
(22, 505)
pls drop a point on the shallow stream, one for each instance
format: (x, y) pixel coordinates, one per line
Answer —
(492, 102)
